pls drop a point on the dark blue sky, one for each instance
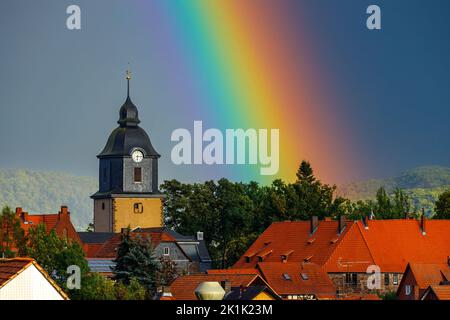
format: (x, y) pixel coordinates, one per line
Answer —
(57, 84)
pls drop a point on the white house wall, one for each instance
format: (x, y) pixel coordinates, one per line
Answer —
(30, 284)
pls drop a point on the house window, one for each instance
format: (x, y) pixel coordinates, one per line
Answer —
(247, 259)
(137, 174)
(395, 280)
(351, 279)
(166, 251)
(408, 289)
(103, 206)
(386, 279)
(138, 208)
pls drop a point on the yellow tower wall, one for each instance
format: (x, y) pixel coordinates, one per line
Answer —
(124, 214)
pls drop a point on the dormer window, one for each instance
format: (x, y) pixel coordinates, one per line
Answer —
(286, 276)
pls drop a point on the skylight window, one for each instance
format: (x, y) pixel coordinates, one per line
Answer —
(286, 276)
(304, 276)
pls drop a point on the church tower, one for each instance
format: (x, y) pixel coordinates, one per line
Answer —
(128, 177)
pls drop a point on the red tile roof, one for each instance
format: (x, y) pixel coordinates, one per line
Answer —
(60, 222)
(369, 296)
(293, 278)
(110, 247)
(292, 237)
(183, 288)
(427, 274)
(390, 244)
(10, 268)
(394, 243)
(232, 271)
(441, 292)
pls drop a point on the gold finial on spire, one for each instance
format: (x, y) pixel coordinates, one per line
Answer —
(128, 77)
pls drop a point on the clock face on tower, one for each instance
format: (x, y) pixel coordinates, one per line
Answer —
(137, 156)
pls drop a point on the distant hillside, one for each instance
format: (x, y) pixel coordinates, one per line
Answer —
(45, 192)
(423, 184)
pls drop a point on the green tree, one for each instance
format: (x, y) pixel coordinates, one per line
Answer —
(133, 291)
(167, 272)
(314, 197)
(12, 236)
(95, 286)
(56, 254)
(442, 206)
(401, 205)
(136, 260)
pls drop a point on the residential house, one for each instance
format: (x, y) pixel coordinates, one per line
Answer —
(24, 279)
(60, 222)
(297, 281)
(441, 292)
(189, 254)
(346, 249)
(418, 277)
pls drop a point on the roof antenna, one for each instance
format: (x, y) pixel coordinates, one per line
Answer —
(128, 77)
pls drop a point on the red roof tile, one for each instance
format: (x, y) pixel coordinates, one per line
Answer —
(232, 271)
(390, 244)
(293, 237)
(110, 247)
(441, 292)
(9, 268)
(427, 274)
(293, 278)
(60, 222)
(394, 243)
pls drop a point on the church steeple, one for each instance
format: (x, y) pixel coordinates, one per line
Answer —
(128, 112)
(128, 192)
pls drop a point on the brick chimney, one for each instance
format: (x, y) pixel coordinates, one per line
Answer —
(22, 215)
(314, 224)
(63, 212)
(125, 231)
(365, 221)
(423, 222)
(341, 225)
(226, 285)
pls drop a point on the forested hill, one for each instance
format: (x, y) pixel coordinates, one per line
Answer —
(423, 184)
(45, 192)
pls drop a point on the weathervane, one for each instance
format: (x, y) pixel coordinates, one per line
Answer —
(128, 77)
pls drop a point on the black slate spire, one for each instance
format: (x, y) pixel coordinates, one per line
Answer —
(128, 112)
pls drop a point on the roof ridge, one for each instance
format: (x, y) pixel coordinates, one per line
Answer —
(339, 243)
(365, 242)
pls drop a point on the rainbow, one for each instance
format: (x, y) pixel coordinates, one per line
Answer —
(255, 67)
